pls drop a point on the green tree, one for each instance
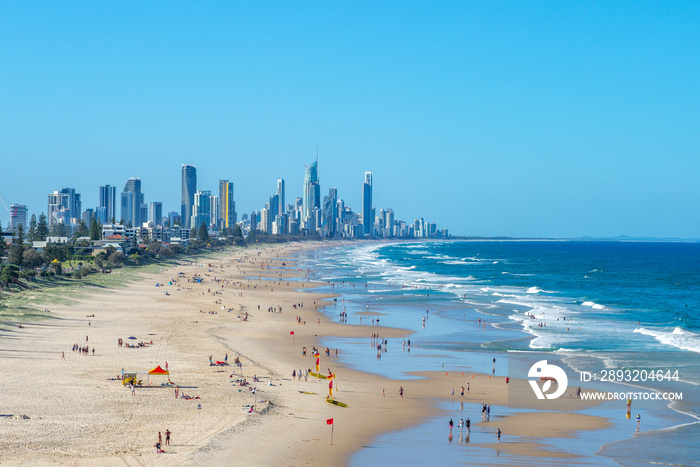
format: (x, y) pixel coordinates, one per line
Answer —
(42, 228)
(9, 274)
(57, 267)
(82, 230)
(237, 232)
(20, 234)
(95, 230)
(32, 258)
(116, 259)
(203, 234)
(3, 246)
(16, 255)
(32, 228)
(59, 229)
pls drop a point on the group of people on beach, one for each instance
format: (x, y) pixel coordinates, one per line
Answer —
(82, 350)
(159, 444)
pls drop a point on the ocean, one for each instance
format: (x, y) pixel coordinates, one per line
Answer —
(590, 305)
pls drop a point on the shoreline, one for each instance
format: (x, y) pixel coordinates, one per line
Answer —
(290, 413)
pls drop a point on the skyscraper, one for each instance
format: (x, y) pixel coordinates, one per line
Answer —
(132, 202)
(280, 192)
(157, 213)
(64, 207)
(328, 222)
(18, 216)
(108, 200)
(312, 191)
(227, 206)
(367, 217)
(201, 209)
(189, 187)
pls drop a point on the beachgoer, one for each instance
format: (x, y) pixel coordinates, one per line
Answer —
(63, 355)
(401, 392)
(461, 392)
(451, 425)
(167, 437)
(468, 423)
(638, 420)
(498, 434)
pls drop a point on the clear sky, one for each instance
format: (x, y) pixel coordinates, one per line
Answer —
(555, 119)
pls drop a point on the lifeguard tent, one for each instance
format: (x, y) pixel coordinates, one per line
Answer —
(158, 371)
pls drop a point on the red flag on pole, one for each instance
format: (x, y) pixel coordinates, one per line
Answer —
(291, 333)
(329, 421)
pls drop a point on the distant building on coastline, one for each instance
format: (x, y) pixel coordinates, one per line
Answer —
(189, 188)
(201, 210)
(64, 207)
(106, 211)
(312, 196)
(367, 211)
(134, 211)
(18, 216)
(226, 218)
(156, 214)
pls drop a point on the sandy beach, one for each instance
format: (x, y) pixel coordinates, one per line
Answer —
(66, 407)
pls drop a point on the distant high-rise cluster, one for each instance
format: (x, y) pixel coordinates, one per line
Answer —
(129, 216)
(331, 217)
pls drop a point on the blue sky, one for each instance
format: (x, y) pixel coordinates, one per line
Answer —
(555, 119)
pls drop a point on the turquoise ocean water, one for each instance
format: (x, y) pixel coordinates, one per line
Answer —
(605, 305)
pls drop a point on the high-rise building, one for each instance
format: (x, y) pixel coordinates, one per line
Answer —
(214, 214)
(328, 213)
(254, 220)
(18, 216)
(280, 193)
(133, 208)
(88, 216)
(312, 191)
(174, 218)
(156, 215)
(56, 212)
(274, 206)
(367, 217)
(108, 201)
(64, 207)
(264, 223)
(201, 210)
(227, 206)
(189, 188)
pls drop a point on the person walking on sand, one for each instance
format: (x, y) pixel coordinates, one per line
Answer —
(167, 437)
(63, 355)
(133, 389)
(401, 392)
(498, 434)
(638, 420)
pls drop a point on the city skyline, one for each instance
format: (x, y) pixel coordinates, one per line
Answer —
(333, 218)
(537, 120)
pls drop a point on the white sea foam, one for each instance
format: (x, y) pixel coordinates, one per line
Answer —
(534, 290)
(459, 261)
(679, 338)
(593, 305)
